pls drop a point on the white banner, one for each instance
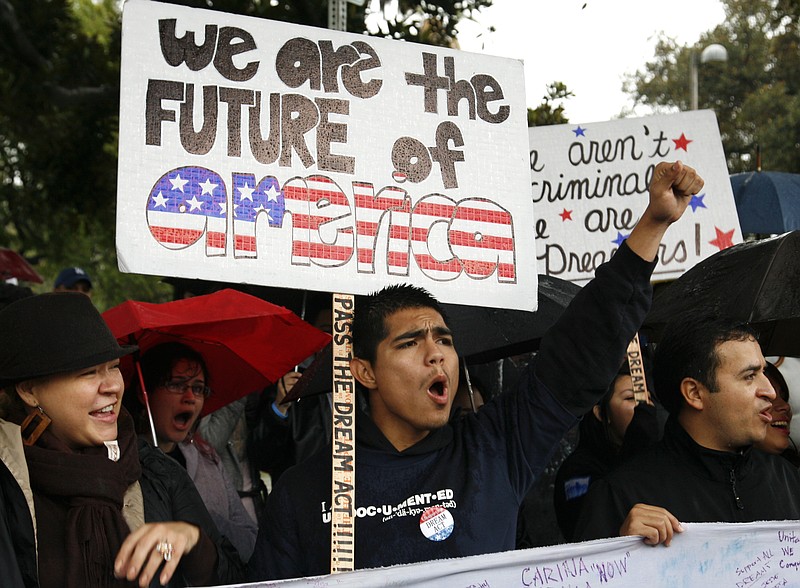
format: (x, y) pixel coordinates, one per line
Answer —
(589, 186)
(742, 555)
(262, 152)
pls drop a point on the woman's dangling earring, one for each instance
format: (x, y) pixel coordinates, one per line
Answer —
(34, 425)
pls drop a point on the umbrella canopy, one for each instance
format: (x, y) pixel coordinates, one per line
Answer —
(757, 283)
(767, 202)
(481, 334)
(13, 265)
(246, 342)
(484, 333)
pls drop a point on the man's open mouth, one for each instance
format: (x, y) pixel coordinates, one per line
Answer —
(437, 391)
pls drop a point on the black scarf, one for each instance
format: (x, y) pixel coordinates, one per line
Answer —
(78, 496)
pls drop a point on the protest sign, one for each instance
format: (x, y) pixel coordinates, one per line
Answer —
(261, 152)
(589, 187)
(723, 555)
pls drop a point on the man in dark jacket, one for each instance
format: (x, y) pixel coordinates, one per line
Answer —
(471, 475)
(709, 374)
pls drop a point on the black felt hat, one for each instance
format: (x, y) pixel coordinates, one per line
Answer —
(51, 334)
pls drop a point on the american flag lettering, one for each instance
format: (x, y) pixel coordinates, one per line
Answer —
(185, 204)
(251, 199)
(442, 236)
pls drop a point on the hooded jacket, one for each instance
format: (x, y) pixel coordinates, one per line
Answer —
(457, 492)
(696, 484)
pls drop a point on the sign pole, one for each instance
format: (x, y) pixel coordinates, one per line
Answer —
(636, 365)
(343, 446)
(337, 15)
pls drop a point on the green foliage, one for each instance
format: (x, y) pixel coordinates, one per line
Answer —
(754, 94)
(548, 112)
(58, 109)
(87, 247)
(98, 19)
(430, 23)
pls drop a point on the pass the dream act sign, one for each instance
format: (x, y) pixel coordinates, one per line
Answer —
(261, 152)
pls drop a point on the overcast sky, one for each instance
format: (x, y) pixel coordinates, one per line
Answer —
(588, 44)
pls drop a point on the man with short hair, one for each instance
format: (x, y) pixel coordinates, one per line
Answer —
(413, 464)
(73, 279)
(709, 375)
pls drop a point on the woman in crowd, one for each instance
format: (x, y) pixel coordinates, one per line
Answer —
(778, 441)
(177, 381)
(88, 504)
(616, 428)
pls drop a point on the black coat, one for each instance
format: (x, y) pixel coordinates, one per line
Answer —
(17, 545)
(593, 459)
(695, 484)
(168, 494)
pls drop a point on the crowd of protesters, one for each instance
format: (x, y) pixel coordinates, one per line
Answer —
(100, 492)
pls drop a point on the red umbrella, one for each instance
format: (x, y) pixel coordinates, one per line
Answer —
(13, 265)
(246, 342)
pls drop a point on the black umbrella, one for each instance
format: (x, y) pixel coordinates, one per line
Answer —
(757, 283)
(481, 333)
(767, 202)
(484, 333)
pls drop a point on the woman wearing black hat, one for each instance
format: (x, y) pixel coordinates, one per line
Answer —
(88, 507)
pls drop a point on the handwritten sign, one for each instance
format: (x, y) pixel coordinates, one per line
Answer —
(589, 187)
(262, 152)
(343, 447)
(740, 555)
(636, 369)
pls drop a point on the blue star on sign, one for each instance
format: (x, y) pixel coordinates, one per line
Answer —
(697, 202)
(579, 132)
(620, 238)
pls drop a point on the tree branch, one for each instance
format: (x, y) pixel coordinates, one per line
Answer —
(18, 40)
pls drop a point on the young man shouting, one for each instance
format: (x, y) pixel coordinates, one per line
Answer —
(709, 375)
(469, 476)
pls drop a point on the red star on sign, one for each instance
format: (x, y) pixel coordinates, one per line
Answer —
(566, 215)
(682, 142)
(724, 239)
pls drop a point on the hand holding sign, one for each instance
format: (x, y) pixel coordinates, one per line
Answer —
(657, 525)
(671, 188)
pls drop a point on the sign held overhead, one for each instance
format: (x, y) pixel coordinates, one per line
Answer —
(268, 153)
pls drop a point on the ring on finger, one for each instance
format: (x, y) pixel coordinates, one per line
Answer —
(165, 549)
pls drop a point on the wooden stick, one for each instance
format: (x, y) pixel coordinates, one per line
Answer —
(343, 447)
(640, 392)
